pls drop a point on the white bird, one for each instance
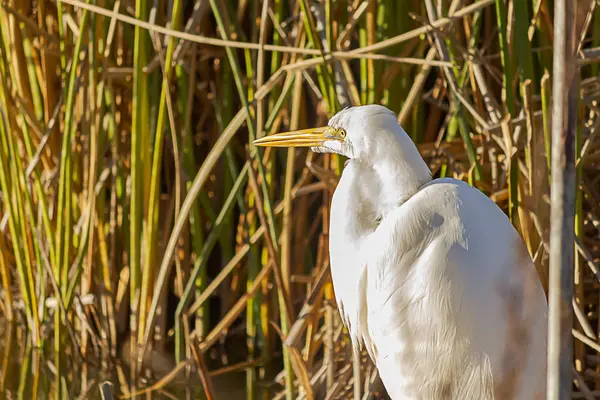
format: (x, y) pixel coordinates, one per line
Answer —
(429, 275)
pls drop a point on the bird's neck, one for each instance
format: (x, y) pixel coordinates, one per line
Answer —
(362, 198)
(395, 183)
(367, 193)
(400, 169)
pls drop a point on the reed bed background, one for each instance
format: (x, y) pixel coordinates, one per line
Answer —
(147, 249)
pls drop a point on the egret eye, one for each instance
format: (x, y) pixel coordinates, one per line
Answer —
(342, 133)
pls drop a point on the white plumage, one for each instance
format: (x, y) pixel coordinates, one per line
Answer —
(430, 276)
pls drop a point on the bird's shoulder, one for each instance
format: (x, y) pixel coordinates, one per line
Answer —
(441, 207)
(426, 214)
(453, 221)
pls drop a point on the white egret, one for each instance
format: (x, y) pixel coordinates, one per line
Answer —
(429, 275)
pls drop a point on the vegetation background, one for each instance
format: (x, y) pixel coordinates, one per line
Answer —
(145, 242)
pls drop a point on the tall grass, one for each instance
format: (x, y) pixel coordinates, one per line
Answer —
(142, 235)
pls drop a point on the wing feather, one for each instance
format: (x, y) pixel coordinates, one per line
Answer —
(440, 291)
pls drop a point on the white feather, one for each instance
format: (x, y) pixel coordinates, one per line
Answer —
(430, 276)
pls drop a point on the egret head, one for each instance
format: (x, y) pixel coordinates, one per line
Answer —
(365, 133)
(385, 167)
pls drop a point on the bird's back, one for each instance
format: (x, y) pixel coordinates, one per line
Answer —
(454, 306)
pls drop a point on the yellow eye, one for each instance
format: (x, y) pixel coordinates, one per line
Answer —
(342, 133)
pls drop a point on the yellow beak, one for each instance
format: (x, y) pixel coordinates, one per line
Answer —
(313, 137)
